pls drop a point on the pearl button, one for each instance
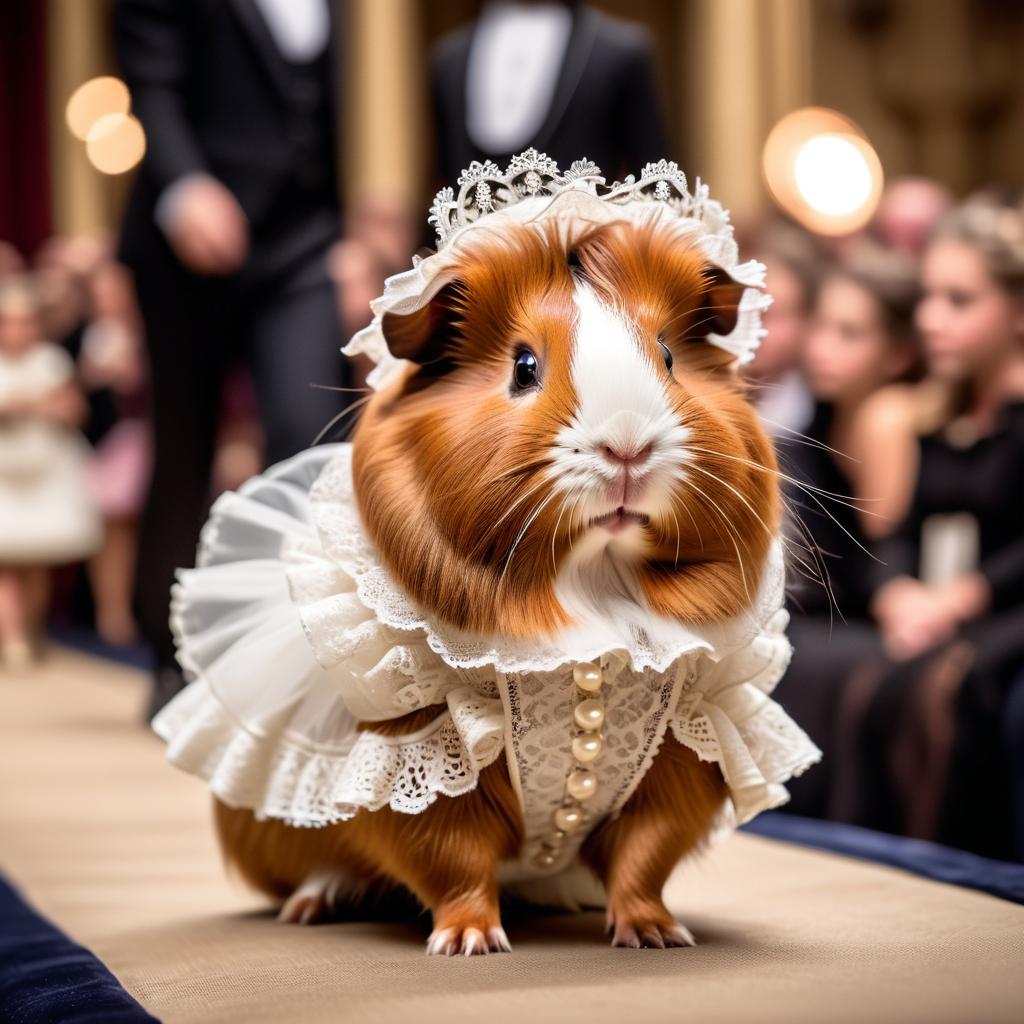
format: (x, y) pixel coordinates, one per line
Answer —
(581, 784)
(589, 715)
(568, 818)
(587, 676)
(587, 747)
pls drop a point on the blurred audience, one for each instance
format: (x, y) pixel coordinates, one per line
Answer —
(859, 338)
(907, 214)
(111, 363)
(46, 514)
(907, 543)
(793, 262)
(949, 599)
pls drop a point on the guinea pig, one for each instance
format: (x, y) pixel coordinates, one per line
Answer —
(564, 438)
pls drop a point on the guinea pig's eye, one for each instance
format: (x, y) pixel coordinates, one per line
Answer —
(525, 373)
(666, 352)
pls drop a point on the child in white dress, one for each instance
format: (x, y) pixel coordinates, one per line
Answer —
(46, 515)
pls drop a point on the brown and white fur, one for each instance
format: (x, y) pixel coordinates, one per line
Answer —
(508, 509)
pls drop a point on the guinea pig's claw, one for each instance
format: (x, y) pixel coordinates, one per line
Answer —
(468, 942)
(652, 936)
(473, 941)
(441, 943)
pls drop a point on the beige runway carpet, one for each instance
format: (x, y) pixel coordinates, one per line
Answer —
(116, 848)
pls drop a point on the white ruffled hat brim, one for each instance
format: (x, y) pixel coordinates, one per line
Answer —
(571, 211)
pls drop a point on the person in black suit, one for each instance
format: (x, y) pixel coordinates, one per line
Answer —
(560, 77)
(227, 230)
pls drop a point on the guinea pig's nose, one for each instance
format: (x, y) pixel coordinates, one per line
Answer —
(626, 455)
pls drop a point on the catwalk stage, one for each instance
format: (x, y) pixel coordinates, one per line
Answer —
(116, 848)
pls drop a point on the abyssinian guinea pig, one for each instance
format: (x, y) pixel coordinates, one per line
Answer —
(562, 410)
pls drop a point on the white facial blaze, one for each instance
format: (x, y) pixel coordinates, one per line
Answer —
(622, 402)
(618, 389)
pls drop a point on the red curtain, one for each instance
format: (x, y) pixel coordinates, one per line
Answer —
(24, 168)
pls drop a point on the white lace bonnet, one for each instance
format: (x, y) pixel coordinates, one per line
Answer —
(532, 190)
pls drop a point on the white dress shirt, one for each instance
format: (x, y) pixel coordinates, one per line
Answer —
(513, 70)
(299, 27)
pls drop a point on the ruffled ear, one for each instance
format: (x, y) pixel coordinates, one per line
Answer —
(423, 336)
(721, 309)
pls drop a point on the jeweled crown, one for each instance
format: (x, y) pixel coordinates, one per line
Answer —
(485, 188)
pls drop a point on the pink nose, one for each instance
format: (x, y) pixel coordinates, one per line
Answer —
(626, 456)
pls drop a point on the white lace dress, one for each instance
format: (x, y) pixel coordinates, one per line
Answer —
(292, 631)
(47, 515)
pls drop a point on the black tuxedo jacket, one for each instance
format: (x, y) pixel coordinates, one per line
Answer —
(606, 105)
(214, 94)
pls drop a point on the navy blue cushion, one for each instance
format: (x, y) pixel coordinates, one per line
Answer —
(940, 863)
(45, 978)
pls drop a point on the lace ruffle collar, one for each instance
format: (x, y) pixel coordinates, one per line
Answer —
(633, 639)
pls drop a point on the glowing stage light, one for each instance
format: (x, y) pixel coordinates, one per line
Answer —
(822, 170)
(832, 175)
(116, 143)
(93, 100)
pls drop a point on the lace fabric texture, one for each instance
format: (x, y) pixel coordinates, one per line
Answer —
(293, 632)
(540, 715)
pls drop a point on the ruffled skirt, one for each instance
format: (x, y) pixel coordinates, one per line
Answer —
(263, 721)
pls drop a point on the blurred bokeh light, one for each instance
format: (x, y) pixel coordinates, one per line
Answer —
(116, 143)
(821, 170)
(93, 100)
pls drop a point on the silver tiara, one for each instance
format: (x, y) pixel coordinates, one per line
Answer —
(484, 188)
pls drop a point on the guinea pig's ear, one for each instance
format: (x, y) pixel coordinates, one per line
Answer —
(720, 309)
(424, 335)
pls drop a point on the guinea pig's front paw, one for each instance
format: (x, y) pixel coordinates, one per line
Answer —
(647, 925)
(468, 941)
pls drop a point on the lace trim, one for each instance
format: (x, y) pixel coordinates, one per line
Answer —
(757, 748)
(302, 787)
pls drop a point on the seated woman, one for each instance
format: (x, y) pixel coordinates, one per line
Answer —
(949, 598)
(779, 391)
(860, 340)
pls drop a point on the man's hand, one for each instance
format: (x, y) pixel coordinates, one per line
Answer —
(206, 227)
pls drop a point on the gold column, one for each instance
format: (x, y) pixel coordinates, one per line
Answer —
(788, 56)
(384, 146)
(749, 63)
(78, 48)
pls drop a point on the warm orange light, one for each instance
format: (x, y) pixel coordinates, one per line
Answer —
(821, 169)
(95, 99)
(116, 143)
